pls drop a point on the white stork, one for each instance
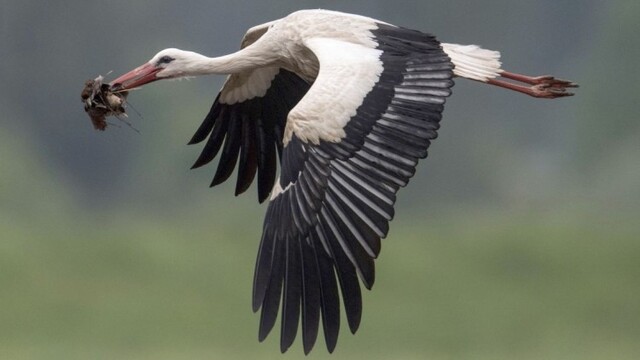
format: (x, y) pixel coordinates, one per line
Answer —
(350, 104)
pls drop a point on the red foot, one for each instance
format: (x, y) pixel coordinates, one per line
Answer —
(550, 90)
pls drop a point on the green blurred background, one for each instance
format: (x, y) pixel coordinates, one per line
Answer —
(518, 238)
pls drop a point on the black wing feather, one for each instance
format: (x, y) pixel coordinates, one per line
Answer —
(248, 155)
(230, 150)
(292, 293)
(311, 295)
(330, 300)
(267, 162)
(347, 277)
(213, 145)
(272, 291)
(205, 128)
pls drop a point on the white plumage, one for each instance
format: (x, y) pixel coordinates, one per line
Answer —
(473, 62)
(348, 105)
(248, 85)
(348, 73)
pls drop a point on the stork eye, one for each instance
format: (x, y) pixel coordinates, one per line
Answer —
(165, 59)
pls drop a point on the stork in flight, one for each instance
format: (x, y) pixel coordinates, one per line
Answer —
(348, 105)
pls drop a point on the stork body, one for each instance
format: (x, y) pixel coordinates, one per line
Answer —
(348, 104)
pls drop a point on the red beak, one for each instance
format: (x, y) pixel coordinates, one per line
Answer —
(137, 77)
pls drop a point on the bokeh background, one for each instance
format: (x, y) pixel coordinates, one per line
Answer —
(518, 238)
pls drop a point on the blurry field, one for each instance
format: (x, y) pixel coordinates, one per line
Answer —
(479, 286)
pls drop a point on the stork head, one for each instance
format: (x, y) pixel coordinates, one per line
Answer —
(167, 64)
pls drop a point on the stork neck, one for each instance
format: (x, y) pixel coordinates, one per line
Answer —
(243, 60)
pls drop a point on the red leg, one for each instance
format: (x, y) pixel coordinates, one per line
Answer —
(546, 86)
(538, 80)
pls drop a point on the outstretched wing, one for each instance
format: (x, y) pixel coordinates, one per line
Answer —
(248, 116)
(349, 145)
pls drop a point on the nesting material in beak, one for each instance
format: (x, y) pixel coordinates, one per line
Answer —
(101, 100)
